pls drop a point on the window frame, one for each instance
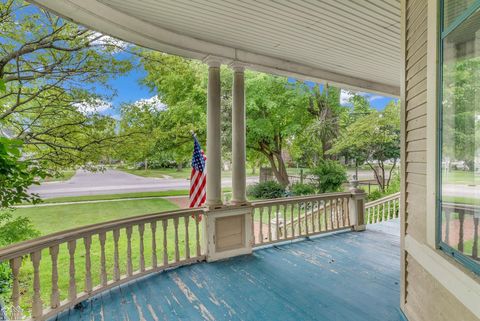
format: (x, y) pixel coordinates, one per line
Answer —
(442, 34)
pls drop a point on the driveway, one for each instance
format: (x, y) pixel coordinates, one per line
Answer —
(113, 182)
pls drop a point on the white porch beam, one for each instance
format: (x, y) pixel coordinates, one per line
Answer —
(239, 177)
(214, 144)
(110, 21)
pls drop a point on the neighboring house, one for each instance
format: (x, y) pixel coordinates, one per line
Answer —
(408, 49)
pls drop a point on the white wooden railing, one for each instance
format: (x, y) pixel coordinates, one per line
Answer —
(97, 257)
(383, 209)
(285, 219)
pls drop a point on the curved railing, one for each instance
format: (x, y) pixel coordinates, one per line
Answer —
(95, 259)
(383, 209)
(284, 219)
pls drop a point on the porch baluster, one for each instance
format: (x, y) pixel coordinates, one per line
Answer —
(187, 241)
(165, 250)
(55, 295)
(197, 233)
(129, 251)
(87, 240)
(37, 306)
(141, 232)
(103, 264)
(116, 259)
(177, 251)
(72, 288)
(153, 227)
(15, 265)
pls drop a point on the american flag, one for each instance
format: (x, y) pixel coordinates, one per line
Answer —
(198, 178)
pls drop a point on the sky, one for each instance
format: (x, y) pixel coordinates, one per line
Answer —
(129, 90)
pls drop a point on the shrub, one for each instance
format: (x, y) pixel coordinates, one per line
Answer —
(12, 230)
(300, 189)
(265, 190)
(329, 176)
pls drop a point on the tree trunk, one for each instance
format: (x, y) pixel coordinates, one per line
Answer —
(279, 169)
(179, 167)
(145, 164)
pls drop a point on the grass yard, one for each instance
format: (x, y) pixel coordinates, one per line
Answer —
(64, 176)
(182, 192)
(55, 218)
(172, 172)
(461, 177)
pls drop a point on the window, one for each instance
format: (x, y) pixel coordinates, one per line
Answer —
(459, 138)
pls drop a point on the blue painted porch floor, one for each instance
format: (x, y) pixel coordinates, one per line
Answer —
(346, 276)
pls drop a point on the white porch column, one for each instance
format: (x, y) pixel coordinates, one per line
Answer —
(239, 177)
(214, 166)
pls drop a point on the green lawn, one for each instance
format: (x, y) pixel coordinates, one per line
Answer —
(116, 196)
(64, 176)
(461, 177)
(55, 218)
(172, 172)
(49, 219)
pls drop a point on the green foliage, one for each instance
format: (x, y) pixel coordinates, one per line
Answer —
(329, 176)
(266, 190)
(181, 85)
(16, 175)
(15, 229)
(299, 189)
(461, 137)
(52, 71)
(12, 230)
(275, 112)
(373, 137)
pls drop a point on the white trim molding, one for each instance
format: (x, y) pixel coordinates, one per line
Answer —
(463, 285)
(432, 114)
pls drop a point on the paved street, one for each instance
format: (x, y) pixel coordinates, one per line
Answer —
(113, 182)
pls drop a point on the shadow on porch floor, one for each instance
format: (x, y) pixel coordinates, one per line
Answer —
(346, 276)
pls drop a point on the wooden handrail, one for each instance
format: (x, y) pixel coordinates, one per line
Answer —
(27, 247)
(298, 217)
(382, 200)
(296, 199)
(383, 209)
(64, 247)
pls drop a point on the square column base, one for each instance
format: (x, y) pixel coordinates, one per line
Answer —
(228, 232)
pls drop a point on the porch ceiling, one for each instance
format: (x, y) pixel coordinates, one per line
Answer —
(352, 43)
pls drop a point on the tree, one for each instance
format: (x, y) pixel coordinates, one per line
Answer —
(141, 123)
(276, 112)
(51, 70)
(329, 176)
(16, 175)
(460, 105)
(180, 84)
(325, 108)
(375, 138)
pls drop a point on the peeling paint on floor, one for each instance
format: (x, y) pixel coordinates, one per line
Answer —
(348, 276)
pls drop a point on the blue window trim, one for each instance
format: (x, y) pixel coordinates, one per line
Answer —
(458, 256)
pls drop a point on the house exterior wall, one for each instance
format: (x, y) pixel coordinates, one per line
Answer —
(434, 286)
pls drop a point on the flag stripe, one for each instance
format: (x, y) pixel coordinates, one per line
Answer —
(198, 176)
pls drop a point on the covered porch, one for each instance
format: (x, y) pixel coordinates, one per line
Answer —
(344, 276)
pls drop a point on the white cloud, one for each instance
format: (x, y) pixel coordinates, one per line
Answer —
(95, 105)
(99, 39)
(345, 95)
(154, 102)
